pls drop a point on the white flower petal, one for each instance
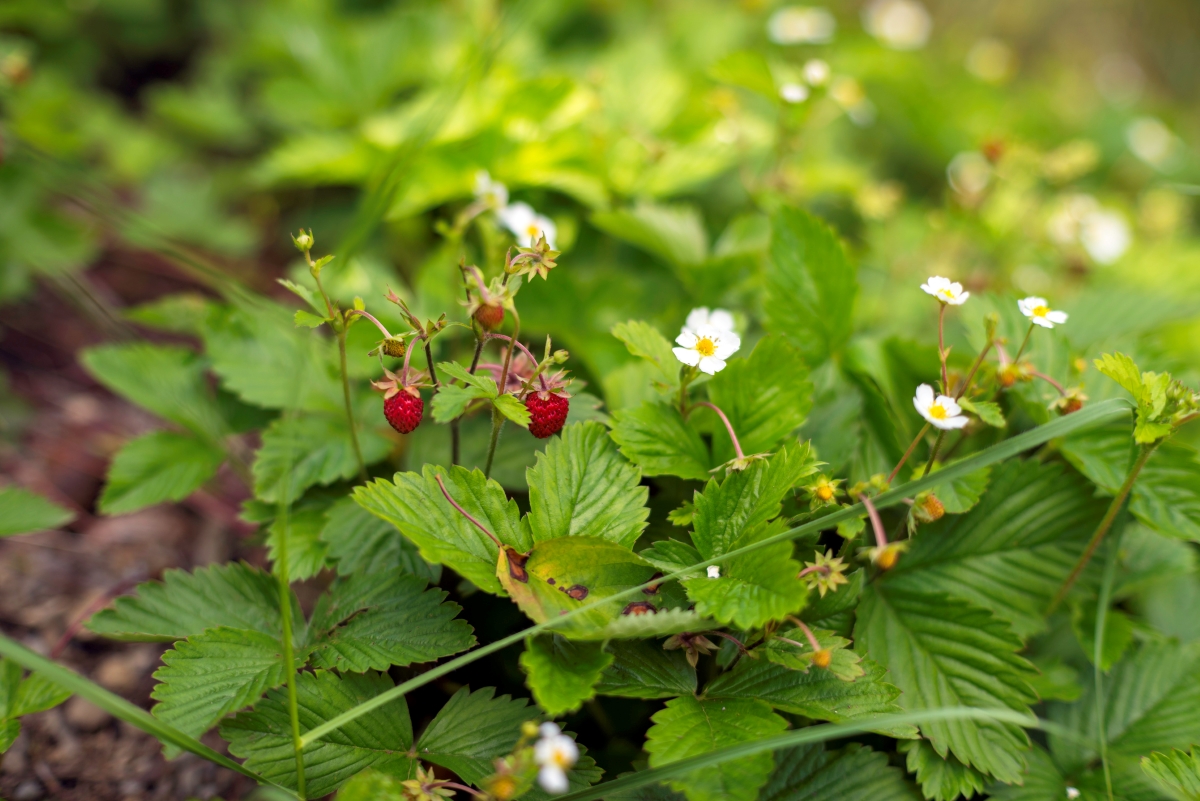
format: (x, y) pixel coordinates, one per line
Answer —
(549, 729)
(711, 365)
(1056, 317)
(553, 779)
(714, 571)
(687, 338)
(949, 404)
(950, 423)
(726, 346)
(696, 318)
(1042, 321)
(924, 396)
(689, 357)
(721, 320)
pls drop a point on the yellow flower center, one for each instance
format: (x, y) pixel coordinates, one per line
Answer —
(559, 757)
(532, 229)
(1041, 311)
(946, 293)
(706, 347)
(825, 492)
(937, 411)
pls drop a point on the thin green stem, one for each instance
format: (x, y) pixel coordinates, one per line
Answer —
(912, 446)
(1110, 571)
(1024, 344)
(1105, 524)
(933, 453)
(497, 418)
(358, 457)
(282, 570)
(974, 369)
(686, 375)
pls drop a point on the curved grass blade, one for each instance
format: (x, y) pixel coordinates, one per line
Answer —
(1106, 412)
(118, 707)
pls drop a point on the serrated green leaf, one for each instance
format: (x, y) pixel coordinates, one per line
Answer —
(562, 673)
(811, 286)
(379, 739)
(941, 778)
(36, 693)
(307, 449)
(1121, 368)
(961, 494)
(646, 342)
(562, 575)
(1012, 552)
(765, 396)
(308, 320)
(642, 669)
(671, 556)
(948, 652)
(452, 400)
(9, 731)
(414, 504)
(158, 467)
(1177, 771)
(472, 729)
(812, 773)
(513, 409)
(359, 542)
(209, 675)
(845, 664)
(690, 726)
(655, 438)
(816, 694)
(752, 588)
(375, 620)
(372, 785)
(482, 382)
(581, 487)
(23, 512)
(304, 293)
(1042, 782)
(165, 379)
(307, 553)
(183, 604)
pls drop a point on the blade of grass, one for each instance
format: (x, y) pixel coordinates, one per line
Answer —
(1101, 413)
(1106, 586)
(118, 707)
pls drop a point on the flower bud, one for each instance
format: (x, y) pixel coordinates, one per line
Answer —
(304, 240)
(529, 729)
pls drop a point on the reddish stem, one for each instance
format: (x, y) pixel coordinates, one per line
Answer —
(822, 569)
(371, 317)
(464, 513)
(1049, 380)
(507, 338)
(876, 523)
(729, 637)
(95, 606)
(920, 436)
(457, 786)
(737, 446)
(812, 640)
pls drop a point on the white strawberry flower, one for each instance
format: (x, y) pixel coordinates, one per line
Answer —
(816, 72)
(794, 92)
(527, 225)
(941, 411)
(493, 193)
(945, 290)
(555, 753)
(707, 347)
(714, 571)
(1039, 312)
(715, 318)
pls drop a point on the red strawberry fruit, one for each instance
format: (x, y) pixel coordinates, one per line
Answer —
(547, 412)
(403, 410)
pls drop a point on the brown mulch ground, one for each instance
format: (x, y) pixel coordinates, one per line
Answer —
(59, 445)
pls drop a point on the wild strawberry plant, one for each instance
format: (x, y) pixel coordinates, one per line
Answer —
(900, 546)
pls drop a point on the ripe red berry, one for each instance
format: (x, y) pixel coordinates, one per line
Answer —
(490, 317)
(403, 411)
(547, 414)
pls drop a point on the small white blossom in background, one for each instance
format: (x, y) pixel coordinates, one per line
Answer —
(945, 290)
(1039, 312)
(527, 225)
(1150, 140)
(555, 753)
(794, 92)
(706, 347)
(493, 193)
(899, 24)
(969, 173)
(942, 411)
(1072, 793)
(714, 571)
(816, 72)
(1105, 235)
(716, 318)
(801, 25)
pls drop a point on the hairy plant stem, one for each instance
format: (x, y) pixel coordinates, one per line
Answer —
(465, 514)
(808, 635)
(737, 446)
(876, 523)
(373, 319)
(942, 347)
(1105, 524)
(497, 418)
(339, 327)
(912, 446)
(1062, 392)
(1024, 344)
(686, 376)
(283, 580)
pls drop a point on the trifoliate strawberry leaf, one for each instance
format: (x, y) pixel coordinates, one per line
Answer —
(811, 285)
(23, 512)
(734, 508)
(1166, 496)
(565, 574)
(165, 379)
(944, 652)
(672, 555)
(765, 396)
(308, 320)
(414, 503)
(941, 778)
(1177, 771)
(359, 542)
(183, 604)
(485, 383)
(690, 726)
(304, 293)
(581, 487)
(1011, 553)
(307, 553)
(214, 673)
(513, 409)
(452, 400)
(310, 449)
(645, 341)
(655, 438)
(375, 620)
(816, 694)
(380, 739)
(642, 669)
(1123, 370)
(990, 413)
(163, 466)
(472, 729)
(23, 697)
(811, 773)
(562, 673)
(754, 587)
